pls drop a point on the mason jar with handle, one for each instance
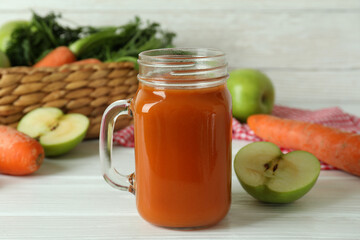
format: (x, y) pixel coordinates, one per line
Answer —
(182, 130)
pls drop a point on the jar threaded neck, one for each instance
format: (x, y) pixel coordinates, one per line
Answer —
(182, 67)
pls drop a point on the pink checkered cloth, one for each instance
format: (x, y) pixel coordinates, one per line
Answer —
(332, 117)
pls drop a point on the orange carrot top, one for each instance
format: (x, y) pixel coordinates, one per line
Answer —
(19, 153)
(57, 57)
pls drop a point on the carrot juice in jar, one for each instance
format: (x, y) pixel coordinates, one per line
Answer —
(182, 122)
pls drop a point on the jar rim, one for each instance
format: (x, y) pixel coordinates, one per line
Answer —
(182, 67)
(180, 53)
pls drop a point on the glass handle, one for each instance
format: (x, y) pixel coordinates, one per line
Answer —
(111, 175)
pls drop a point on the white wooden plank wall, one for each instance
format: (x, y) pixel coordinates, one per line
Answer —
(310, 49)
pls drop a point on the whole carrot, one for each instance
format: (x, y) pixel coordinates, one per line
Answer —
(337, 148)
(57, 57)
(19, 153)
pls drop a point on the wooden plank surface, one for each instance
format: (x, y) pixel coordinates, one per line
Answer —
(189, 5)
(74, 202)
(299, 40)
(310, 49)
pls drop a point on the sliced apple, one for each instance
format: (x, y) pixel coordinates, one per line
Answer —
(57, 132)
(271, 176)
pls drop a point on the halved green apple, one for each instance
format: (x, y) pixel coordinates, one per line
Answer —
(271, 176)
(57, 132)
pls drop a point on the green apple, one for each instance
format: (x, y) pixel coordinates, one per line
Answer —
(271, 176)
(252, 92)
(6, 31)
(57, 132)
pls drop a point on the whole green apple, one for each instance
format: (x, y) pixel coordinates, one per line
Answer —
(252, 92)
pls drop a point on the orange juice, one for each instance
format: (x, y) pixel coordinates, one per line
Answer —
(183, 155)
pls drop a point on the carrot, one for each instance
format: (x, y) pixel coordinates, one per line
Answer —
(87, 61)
(332, 146)
(19, 153)
(57, 57)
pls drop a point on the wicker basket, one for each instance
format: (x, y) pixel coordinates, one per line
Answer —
(86, 89)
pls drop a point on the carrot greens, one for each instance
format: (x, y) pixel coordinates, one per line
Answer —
(31, 42)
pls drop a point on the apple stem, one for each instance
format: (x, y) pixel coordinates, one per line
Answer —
(263, 98)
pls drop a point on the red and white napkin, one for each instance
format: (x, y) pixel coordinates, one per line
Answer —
(332, 117)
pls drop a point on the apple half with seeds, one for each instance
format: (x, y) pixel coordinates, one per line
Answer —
(273, 177)
(57, 132)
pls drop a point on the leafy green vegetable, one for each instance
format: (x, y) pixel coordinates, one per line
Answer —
(29, 43)
(6, 30)
(93, 41)
(127, 40)
(151, 37)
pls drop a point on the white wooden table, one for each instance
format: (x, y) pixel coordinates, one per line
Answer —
(68, 199)
(311, 51)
